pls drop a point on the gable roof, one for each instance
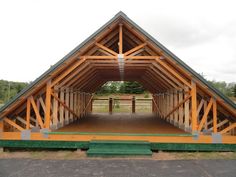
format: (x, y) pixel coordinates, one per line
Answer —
(158, 44)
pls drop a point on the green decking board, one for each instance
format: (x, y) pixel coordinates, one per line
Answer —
(119, 148)
(85, 145)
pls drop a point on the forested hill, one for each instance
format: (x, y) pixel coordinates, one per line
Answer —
(9, 89)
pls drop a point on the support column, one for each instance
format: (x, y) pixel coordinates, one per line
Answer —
(55, 110)
(186, 110)
(28, 107)
(171, 106)
(67, 104)
(110, 105)
(71, 105)
(214, 116)
(133, 104)
(194, 106)
(48, 105)
(61, 112)
(181, 115)
(176, 112)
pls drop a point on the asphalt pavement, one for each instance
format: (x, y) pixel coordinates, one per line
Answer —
(117, 168)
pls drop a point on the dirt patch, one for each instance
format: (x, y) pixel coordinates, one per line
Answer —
(71, 155)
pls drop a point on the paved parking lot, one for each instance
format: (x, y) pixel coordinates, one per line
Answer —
(117, 168)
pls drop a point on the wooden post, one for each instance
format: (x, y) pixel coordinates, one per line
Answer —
(110, 105)
(71, 105)
(67, 104)
(153, 108)
(28, 107)
(186, 110)
(1, 126)
(171, 105)
(55, 110)
(204, 108)
(120, 39)
(181, 115)
(48, 105)
(91, 106)
(194, 106)
(133, 104)
(176, 112)
(62, 98)
(214, 116)
(168, 104)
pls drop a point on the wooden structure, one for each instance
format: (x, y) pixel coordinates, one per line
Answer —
(119, 50)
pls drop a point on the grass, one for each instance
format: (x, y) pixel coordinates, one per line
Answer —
(124, 106)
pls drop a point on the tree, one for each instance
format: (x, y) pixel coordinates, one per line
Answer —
(234, 90)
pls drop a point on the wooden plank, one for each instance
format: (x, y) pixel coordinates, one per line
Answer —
(61, 108)
(204, 117)
(42, 104)
(194, 105)
(67, 102)
(186, 110)
(55, 109)
(220, 124)
(28, 107)
(199, 108)
(24, 121)
(228, 128)
(12, 123)
(207, 123)
(38, 117)
(176, 111)
(131, 51)
(71, 105)
(173, 72)
(87, 104)
(177, 106)
(106, 49)
(68, 71)
(214, 116)
(99, 57)
(181, 109)
(64, 104)
(120, 39)
(48, 105)
(141, 57)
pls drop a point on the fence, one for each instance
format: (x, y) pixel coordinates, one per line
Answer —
(121, 105)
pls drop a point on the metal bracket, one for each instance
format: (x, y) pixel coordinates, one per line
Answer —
(35, 129)
(216, 138)
(25, 134)
(44, 132)
(195, 135)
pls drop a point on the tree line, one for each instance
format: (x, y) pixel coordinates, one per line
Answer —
(9, 89)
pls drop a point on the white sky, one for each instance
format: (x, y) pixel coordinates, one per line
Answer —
(36, 34)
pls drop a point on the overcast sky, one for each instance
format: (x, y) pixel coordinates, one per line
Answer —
(36, 34)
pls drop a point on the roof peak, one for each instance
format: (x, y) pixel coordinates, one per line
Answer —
(121, 13)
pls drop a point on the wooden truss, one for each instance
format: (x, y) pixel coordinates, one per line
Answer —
(120, 52)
